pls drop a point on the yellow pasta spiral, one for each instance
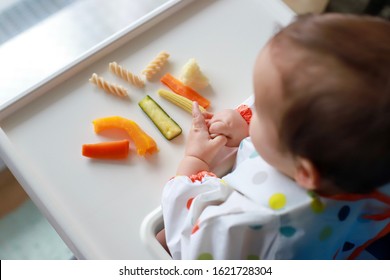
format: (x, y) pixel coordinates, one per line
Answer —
(126, 75)
(108, 87)
(155, 65)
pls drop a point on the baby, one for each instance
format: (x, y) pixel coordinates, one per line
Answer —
(311, 175)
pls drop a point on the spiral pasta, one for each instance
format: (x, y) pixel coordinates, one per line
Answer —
(108, 87)
(126, 75)
(155, 65)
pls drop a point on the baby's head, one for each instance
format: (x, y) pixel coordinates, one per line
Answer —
(322, 100)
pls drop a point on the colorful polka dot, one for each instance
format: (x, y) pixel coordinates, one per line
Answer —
(205, 256)
(189, 202)
(254, 154)
(223, 182)
(325, 233)
(252, 257)
(195, 228)
(256, 227)
(311, 194)
(344, 212)
(260, 177)
(317, 206)
(348, 246)
(287, 231)
(277, 201)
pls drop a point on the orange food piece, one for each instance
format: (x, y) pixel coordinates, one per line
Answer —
(178, 87)
(143, 142)
(107, 150)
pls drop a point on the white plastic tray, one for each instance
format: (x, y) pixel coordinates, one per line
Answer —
(97, 207)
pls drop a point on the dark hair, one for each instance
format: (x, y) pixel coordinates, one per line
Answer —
(338, 97)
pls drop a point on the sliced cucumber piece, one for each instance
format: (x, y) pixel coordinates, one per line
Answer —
(167, 126)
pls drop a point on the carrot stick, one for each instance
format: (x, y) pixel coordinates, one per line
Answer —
(107, 150)
(183, 90)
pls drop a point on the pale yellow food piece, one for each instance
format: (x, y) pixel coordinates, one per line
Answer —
(125, 74)
(107, 86)
(192, 76)
(155, 65)
(179, 100)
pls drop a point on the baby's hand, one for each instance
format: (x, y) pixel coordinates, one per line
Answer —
(200, 144)
(230, 124)
(200, 148)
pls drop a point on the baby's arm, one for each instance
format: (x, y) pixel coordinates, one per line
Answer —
(200, 151)
(231, 124)
(201, 148)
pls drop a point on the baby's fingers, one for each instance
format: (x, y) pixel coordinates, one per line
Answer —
(198, 121)
(218, 142)
(207, 115)
(219, 128)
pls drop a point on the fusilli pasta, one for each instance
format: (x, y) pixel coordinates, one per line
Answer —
(126, 75)
(155, 65)
(108, 87)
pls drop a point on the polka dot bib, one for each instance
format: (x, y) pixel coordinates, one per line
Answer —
(255, 212)
(333, 221)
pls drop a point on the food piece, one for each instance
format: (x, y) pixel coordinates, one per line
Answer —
(178, 100)
(167, 126)
(192, 76)
(155, 65)
(178, 87)
(126, 75)
(108, 87)
(107, 150)
(144, 143)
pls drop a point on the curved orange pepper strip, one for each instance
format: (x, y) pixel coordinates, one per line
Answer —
(143, 142)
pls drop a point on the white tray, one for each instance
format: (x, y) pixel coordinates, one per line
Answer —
(97, 207)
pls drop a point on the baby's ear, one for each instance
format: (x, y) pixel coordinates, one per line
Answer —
(306, 174)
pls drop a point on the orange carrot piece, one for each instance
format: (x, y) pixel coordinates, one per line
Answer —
(178, 87)
(107, 150)
(143, 142)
